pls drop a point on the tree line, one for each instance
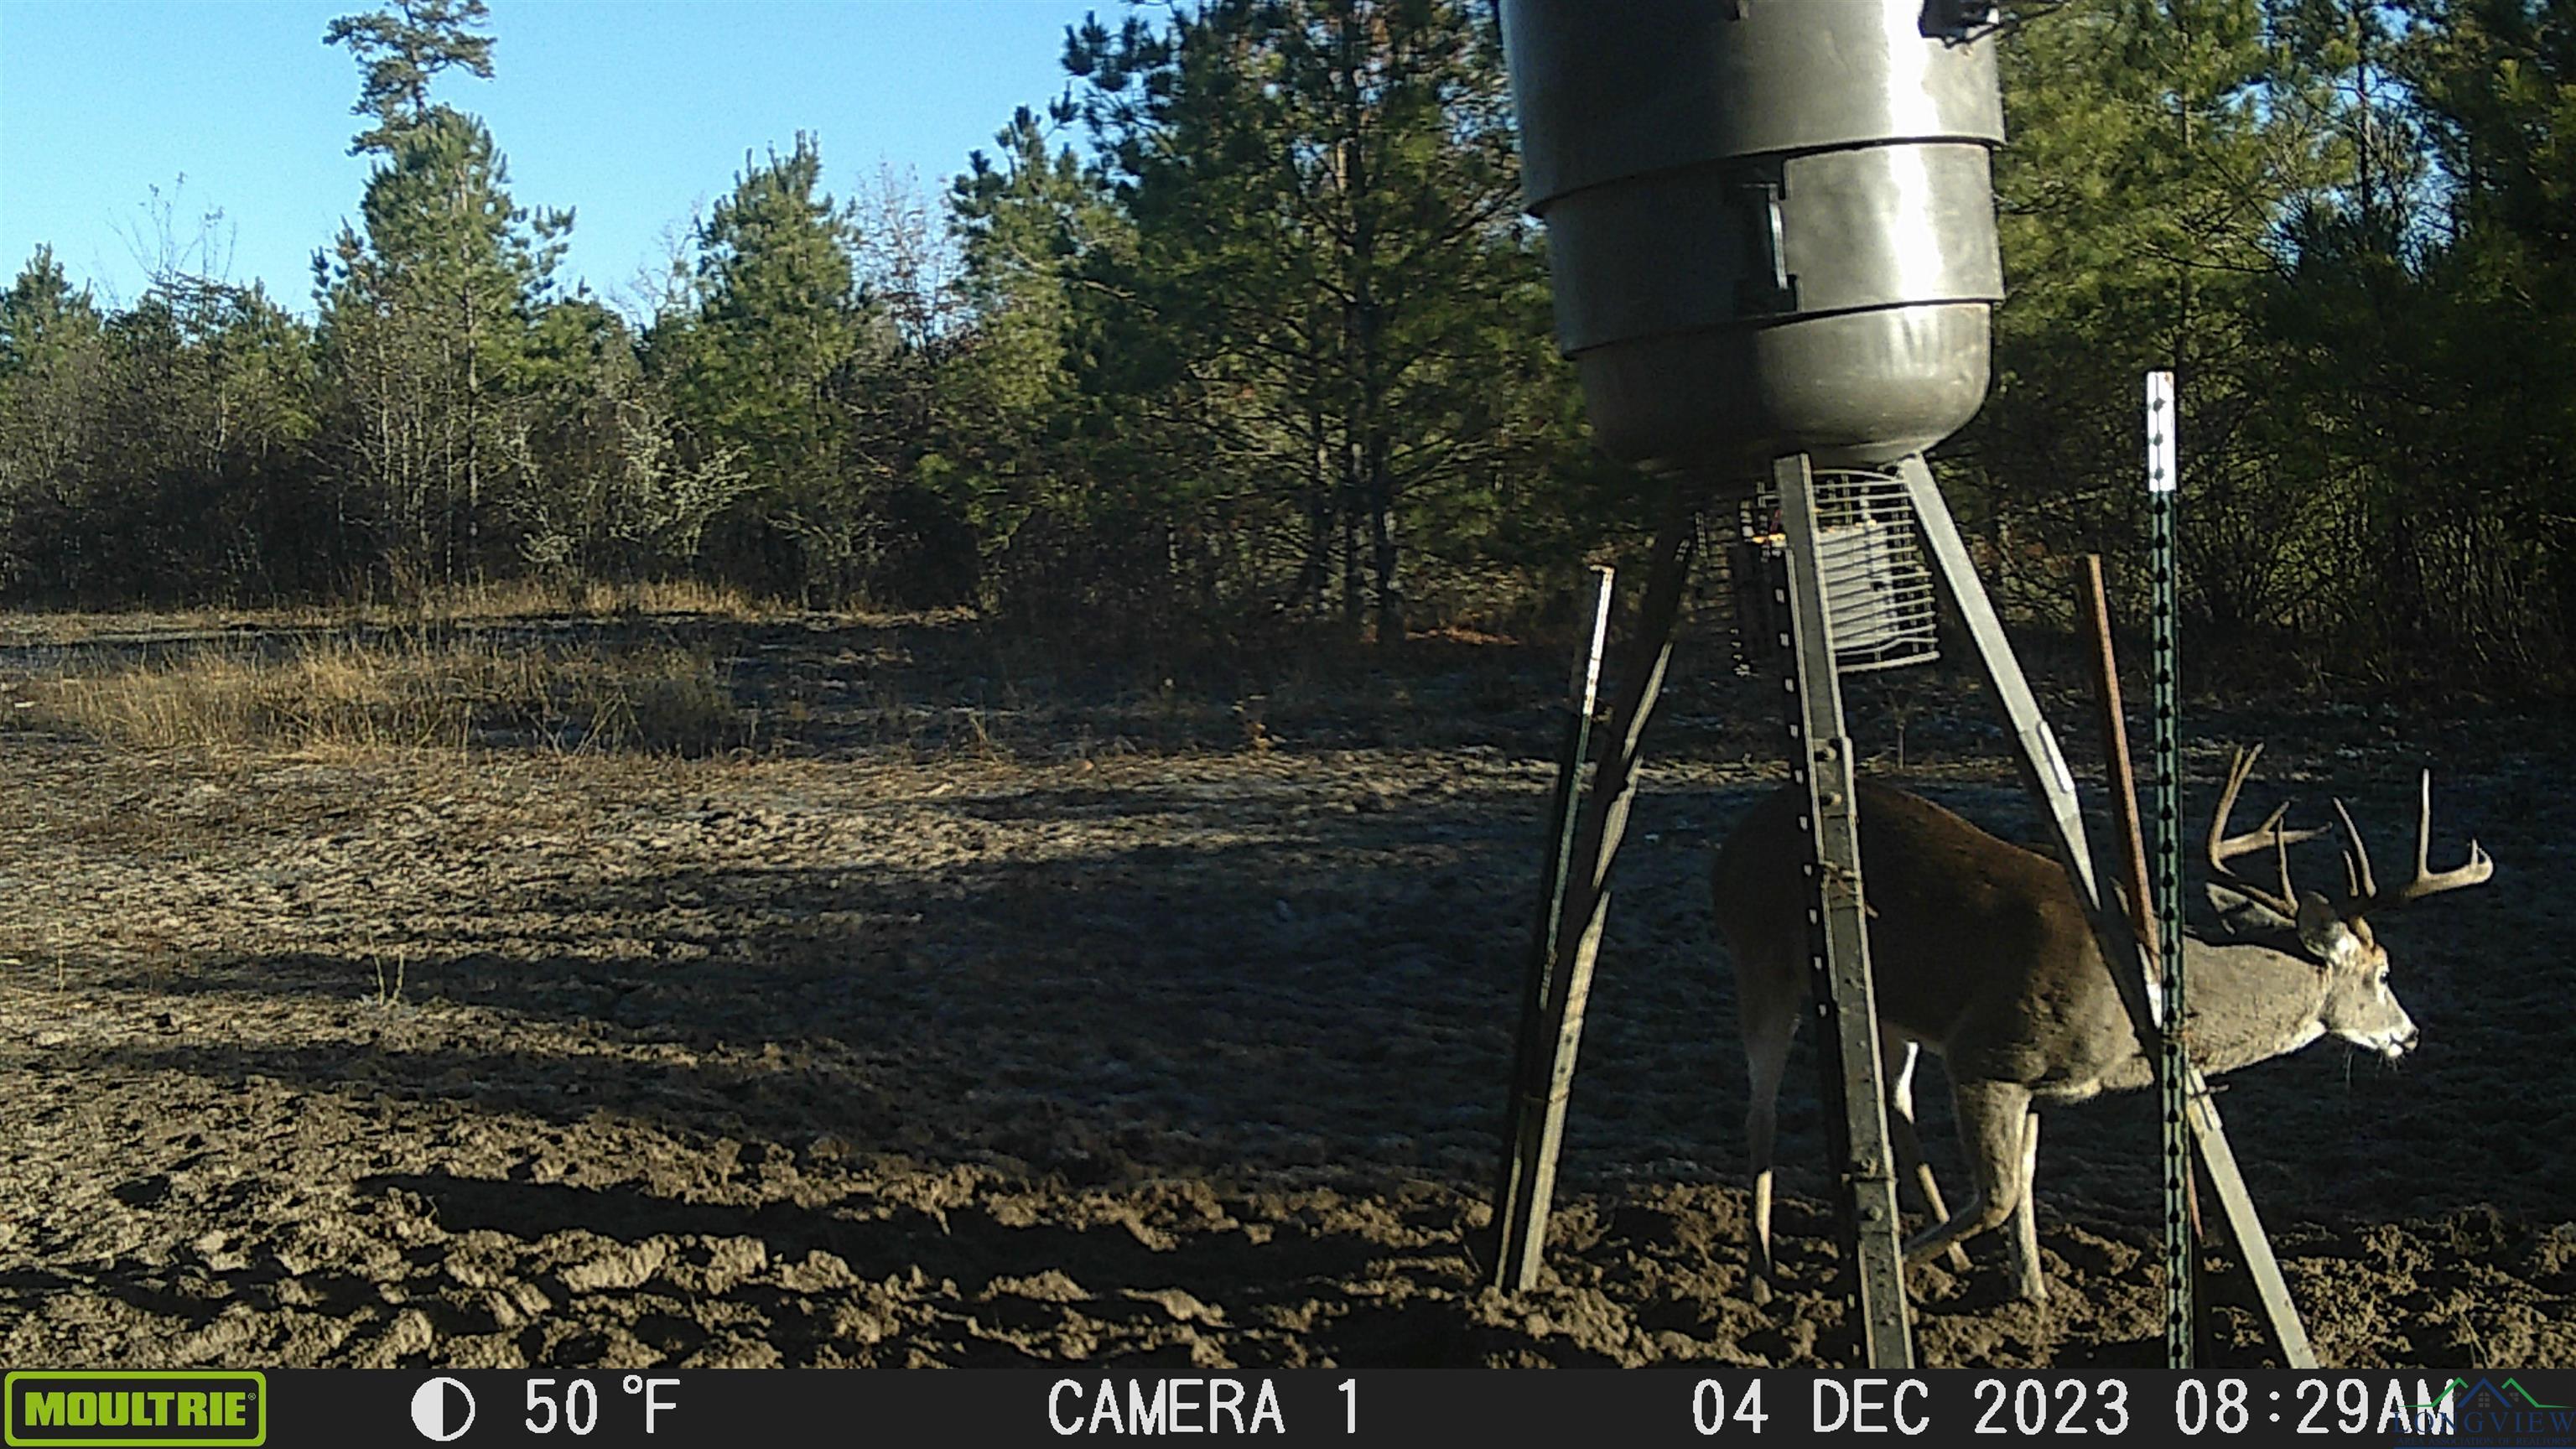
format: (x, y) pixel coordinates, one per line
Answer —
(1247, 325)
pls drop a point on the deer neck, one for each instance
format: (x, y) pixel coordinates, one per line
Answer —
(2248, 1004)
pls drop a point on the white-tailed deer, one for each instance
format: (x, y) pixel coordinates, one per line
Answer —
(1980, 952)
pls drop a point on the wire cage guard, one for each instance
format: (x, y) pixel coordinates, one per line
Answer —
(1879, 594)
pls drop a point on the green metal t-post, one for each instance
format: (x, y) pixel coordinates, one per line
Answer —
(2173, 1069)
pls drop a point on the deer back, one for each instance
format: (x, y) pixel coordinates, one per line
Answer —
(1978, 948)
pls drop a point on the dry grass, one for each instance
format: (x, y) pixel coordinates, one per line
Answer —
(422, 689)
(581, 598)
(413, 608)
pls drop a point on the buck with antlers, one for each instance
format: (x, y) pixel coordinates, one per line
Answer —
(1980, 951)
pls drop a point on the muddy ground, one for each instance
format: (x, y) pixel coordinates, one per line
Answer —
(989, 1013)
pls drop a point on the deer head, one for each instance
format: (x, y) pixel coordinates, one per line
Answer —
(2332, 933)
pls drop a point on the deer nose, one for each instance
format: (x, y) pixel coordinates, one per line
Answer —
(2399, 1041)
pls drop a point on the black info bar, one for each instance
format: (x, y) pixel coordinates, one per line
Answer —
(2489, 1408)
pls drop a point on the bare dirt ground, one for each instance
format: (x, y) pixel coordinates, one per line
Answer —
(987, 1013)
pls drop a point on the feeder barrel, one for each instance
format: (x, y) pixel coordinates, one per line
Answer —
(1770, 222)
(1610, 91)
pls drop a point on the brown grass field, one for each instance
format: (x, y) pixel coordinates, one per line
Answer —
(649, 978)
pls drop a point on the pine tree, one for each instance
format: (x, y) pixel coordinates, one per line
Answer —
(1331, 277)
(760, 365)
(52, 366)
(1058, 466)
(427, 311)
(402, 50)
(2141, 199)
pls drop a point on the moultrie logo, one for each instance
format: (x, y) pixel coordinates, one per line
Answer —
(173, 1407)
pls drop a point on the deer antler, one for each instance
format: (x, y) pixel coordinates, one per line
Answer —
(2224, 847)
(2365, 895)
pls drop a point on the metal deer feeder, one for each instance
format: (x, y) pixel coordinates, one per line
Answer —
(1772, 240)
(1769, 221)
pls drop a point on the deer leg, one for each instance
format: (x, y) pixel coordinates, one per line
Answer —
(1766, 1053)
(2025, 1222)
(1897, 1060)
(1991, 1115)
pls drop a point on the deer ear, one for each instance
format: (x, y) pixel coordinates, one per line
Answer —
(2243, 916)
(2324, 933)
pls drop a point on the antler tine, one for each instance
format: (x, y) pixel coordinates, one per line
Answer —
(2365, 889)
(2430, 882)
(2239, 767)
(2223, 847)
(2424, 826)
(2427, 881)
(2261, 835)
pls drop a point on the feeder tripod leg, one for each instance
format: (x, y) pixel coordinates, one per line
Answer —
(1846, 1015)
(2044, 772)
(1561, 964)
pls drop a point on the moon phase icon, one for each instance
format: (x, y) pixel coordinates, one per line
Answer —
(442, 1409)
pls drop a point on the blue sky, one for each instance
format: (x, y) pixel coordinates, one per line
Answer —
(629, 111)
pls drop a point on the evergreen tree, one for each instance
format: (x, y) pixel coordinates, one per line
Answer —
(158, 452)
(402, 50)
(52, 360)
(2142, 201)
(760, 366)
(2431, 315)
(1331, 278)
(1059, 463)
(49, 354)
(428, 312)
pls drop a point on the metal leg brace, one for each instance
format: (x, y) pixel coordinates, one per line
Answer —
(1560, 979)
(1846, 1015)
